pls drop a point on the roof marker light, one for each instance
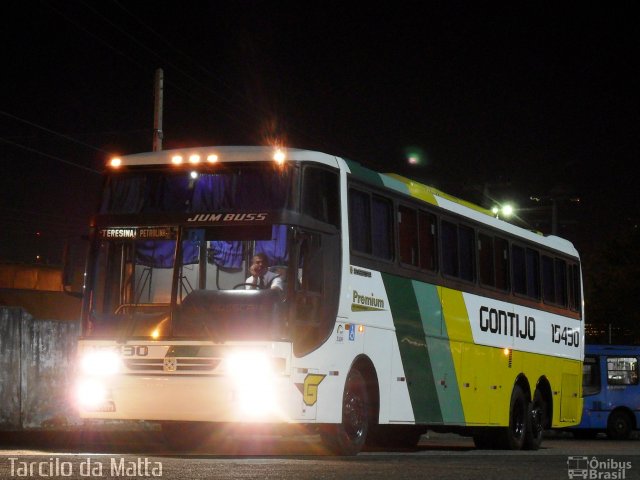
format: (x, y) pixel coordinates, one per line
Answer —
(176, 159)
(279, 156)
(195, 158)
(193, 174)
(115, 162)
(213, 158)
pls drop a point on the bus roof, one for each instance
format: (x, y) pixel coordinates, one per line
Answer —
(226, 154)
(630, 350)
(390, 180)
(455, 205)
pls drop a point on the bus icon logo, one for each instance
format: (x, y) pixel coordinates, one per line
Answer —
(170, 364)
(578, 467)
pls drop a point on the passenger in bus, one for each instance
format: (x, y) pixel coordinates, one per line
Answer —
(261, 277)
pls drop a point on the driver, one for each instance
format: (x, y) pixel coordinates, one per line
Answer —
(261, 277)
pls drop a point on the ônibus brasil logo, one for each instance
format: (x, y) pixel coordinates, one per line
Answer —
(595, 468)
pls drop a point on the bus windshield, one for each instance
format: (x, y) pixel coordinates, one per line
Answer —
(228, 188)
(138, 290)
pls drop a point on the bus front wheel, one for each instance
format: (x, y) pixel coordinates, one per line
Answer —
(513, 436)
(348, 437)
(619, 426)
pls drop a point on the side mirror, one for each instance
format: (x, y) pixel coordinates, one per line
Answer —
(73, 270)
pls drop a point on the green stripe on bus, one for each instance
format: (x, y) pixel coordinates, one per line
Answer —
(413, 349)
(439, 349)
(364, 174)
(395, 184)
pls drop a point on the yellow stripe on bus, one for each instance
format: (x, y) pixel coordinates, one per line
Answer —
(486, 375)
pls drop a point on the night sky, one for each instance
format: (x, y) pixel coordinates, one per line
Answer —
(502, 102)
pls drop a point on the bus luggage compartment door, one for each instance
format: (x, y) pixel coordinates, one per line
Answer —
(569, 398)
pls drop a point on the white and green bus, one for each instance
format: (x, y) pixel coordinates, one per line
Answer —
(401, 308)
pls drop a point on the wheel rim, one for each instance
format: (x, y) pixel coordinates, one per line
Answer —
(518, 417)
(620, 425)
(536, 420)
(354, 416)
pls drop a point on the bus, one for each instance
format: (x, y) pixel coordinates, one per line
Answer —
(611, 392)
(401, 308)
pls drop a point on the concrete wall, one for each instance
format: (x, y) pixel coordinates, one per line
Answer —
(39, 290)
(31, 277)
(36, 371)
(41, 304)
(10, 379)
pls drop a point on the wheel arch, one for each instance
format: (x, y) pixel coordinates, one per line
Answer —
(365, 366)
(544, 387)
(523, 382)
(628, 412)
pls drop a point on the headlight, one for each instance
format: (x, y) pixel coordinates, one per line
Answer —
(253, 375)
(249, 365)
(91, 393)
(100, 362)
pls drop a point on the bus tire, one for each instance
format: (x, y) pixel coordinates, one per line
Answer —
(185, 436)
(513, 436)
(348, 437)
(537, 419)
(619, 426)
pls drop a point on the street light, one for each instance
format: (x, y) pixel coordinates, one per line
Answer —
(503, 211)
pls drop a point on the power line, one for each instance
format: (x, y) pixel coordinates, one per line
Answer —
(68, 162)
(67, 137)
(41, 214)
(175, 49)
(206, 88)
(173, 65)
(240, 119)
(158, 56)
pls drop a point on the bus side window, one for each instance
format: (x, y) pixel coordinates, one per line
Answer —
(622, 370)
(591, 375)
(309, 286)
(312, 267)
(321, 194)
(408, 234)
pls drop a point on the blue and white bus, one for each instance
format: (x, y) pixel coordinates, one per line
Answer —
(611, 391)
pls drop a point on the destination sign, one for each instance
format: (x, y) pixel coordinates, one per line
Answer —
(138, 233)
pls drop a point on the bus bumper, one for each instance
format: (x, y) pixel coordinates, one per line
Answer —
(188, 398)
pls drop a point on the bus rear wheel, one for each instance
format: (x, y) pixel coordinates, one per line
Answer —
(348, 437)
(537, 419)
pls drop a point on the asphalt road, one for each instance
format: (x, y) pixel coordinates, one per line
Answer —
(143, 455)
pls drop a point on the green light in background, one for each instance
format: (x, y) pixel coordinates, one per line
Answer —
(415, 156)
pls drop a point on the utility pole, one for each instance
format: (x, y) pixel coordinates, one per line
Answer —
(554, 207)
(157, 111)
